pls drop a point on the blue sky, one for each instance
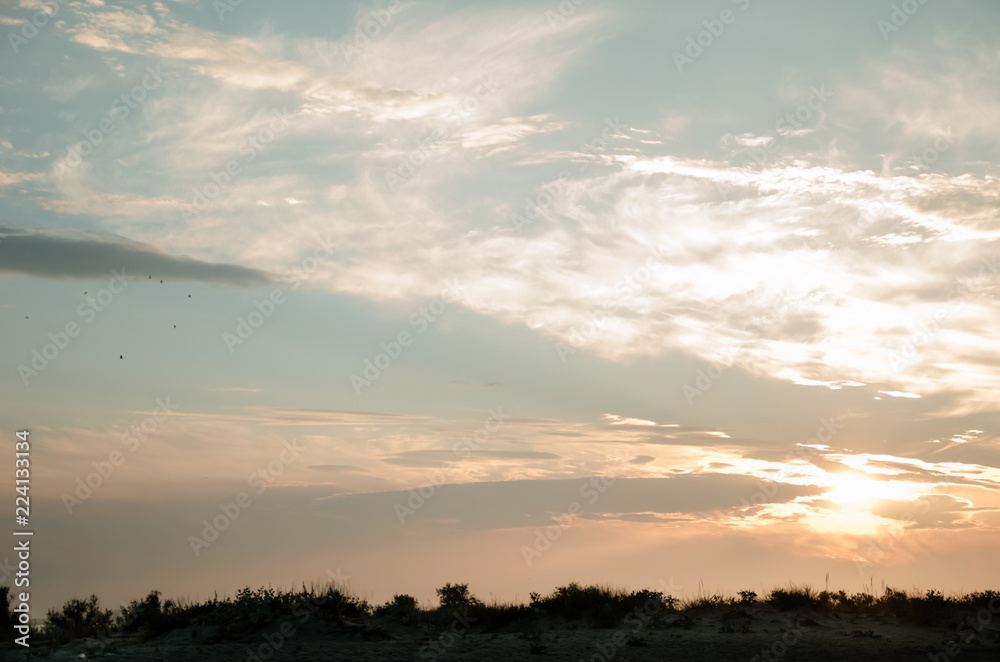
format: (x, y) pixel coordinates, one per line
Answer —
(741, 258)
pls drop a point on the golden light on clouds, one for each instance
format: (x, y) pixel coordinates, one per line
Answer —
(859, 491)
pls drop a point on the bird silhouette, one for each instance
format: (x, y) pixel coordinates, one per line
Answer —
(189, 296)
(121, 356)
(161, 281)
(85, 294)
(151, 277)
(25, 317)
(175, 326)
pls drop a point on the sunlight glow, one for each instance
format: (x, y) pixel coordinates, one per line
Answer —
(856, 490)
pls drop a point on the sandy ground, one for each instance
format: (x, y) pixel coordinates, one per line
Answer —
(755, 634)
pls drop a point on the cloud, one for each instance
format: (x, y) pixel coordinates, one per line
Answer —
(64, 89)
(900, 394)
(930, 511)
(51, 256)
(494, 505)
(434, 458)
(813, 269)
(235, 61)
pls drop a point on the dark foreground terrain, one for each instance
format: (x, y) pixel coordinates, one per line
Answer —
(574, 623)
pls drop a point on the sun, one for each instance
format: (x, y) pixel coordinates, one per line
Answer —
(854, 490)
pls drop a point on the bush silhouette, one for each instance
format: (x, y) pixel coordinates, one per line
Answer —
(402, 608)
(601, 606)
(605, 607)
(793, 598)
(6, 617)
(457, 596)
(79, 618)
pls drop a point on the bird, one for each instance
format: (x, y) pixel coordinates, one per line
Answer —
(161, 281)
(25, 317)
(151, 276)
(84, 294)
(189, 296)
(121, 356)
(175, 326)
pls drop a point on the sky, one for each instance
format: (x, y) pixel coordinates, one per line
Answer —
(689, 296)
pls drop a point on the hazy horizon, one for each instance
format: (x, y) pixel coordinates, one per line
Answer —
(508, 294)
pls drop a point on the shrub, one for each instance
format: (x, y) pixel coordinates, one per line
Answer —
(402, 608)
(604, 606)
(494, 616)
(151, 618)
(335, 604)
(456, 595)
(708, 602)
(78, 618)
(6, 617)
(793, 598)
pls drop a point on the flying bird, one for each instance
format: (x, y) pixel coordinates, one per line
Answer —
(121, 356)
(189, 296)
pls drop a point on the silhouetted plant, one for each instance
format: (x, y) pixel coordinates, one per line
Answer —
(456, 595)
(605, 607)
(254, 609)
(78, 618)
(6, 617)
(793, 598)
(402, 608)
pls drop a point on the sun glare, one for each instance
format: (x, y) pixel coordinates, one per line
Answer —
(853, 490)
